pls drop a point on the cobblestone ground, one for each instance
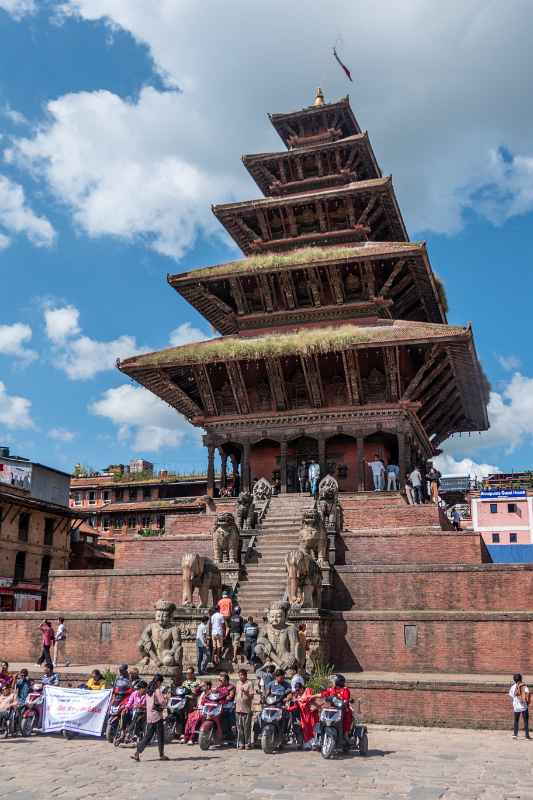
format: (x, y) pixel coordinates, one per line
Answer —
(413, 763)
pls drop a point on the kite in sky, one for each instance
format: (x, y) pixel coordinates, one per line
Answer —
(343, 66)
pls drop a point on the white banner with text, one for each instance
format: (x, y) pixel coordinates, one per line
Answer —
(75, 710)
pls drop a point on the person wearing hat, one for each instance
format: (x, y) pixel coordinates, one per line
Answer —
(340, 690)
(236, 627)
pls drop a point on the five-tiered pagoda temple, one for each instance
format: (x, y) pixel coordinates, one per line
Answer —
(335, 343)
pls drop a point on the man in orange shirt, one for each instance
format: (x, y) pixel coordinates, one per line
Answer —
(225, 606)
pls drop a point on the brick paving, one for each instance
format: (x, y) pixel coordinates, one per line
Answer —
(410, 763)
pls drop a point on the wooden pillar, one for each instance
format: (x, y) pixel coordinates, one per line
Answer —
(223, 468)
(360, 487)
(402, 457)
(211, 470)
(245, 467)
(283, 466)
(322, 455)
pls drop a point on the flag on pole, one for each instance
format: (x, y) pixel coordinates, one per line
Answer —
(343, 66)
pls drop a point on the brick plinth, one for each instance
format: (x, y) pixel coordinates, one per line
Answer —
(425, 641)
(482, 587)
(412, 546)
(163, 552)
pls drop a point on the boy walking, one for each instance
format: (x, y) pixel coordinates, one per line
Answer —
(519, 694)
(244, 695)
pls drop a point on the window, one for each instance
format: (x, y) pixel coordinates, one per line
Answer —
(161, 522)
(105, 523)
(513, 538)
(494, 508)
(24, 526)
(132, 522)
(495, 538)
(49, 524)
(45, 568)
(77, 498)
(145, 522)
(105, 631)
(92, 498)
(133, 494)
(117, 522)
(20, 567)
(146, 493)
(119, 495)
(511, 508)
(105, 496)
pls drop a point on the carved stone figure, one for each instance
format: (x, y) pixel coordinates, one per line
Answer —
(328, 504)
(226, 538)
(278, 642)
(304, 579)
(245, 511)
(313, 536)
(160, 643)
(199, 572)
(262, 491)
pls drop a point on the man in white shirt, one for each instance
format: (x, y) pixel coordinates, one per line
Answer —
(393, 477)
(378, 473)
(202, 645)
(519, 694)
(60, 642)
(314, 475)
(218, 633)
(416, 482)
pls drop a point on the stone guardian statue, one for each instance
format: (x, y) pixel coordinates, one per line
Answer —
(278, 642)
(160, 643)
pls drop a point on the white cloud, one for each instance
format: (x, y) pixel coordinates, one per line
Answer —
(14, 116)
(509, 363)
(18, 8)
(13, 340)
(448, 465)
(5, 241)
(435, 130)
(17, 218)
(61, 435)
(61, 323)
(185, 334)
(14, 410)
(141, 418)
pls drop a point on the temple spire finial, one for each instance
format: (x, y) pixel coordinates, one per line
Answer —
(319, 97)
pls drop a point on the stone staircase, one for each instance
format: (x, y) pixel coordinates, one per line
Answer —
(265, 579)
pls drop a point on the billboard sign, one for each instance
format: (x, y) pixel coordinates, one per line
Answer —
(491, 494)
(15, 473)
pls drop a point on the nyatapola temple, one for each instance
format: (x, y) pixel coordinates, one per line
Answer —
(335, 347)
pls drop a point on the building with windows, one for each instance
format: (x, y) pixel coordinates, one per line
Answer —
(129, 502)
(503, 516)
(35, 526)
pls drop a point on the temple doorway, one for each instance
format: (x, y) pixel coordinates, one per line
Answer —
(341, 460)
(265, 461)
(384, 446)
(300, 453)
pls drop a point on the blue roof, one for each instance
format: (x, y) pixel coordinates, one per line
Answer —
(511, 553)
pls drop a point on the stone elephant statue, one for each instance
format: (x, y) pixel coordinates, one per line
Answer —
(226, 538)
(313, 536)
(304, 579)
(199, 572)
(245, 511)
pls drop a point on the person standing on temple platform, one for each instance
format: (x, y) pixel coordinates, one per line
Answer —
(202, 645)
(47, 640)
(416, 482)
(218, 634)
(433, 478)
(521, 697)
(393, 477)
(377, 468)
(302, 476)
(236, 627)
(59, 644)
(251, 632)
(456, 520)
(314, 477)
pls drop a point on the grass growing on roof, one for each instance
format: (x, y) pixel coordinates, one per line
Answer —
(318, 340)
(305, 255)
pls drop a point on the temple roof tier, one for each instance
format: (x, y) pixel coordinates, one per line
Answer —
(356, 212)
(314, 167)
(316, 124)
(432, 366)
(315, 284)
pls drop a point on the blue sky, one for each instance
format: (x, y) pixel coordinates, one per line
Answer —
(122, 122)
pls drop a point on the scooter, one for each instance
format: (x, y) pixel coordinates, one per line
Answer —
(32, 713)
(212, 728)
(8, 724)
(272, 724)
(114, 715)
(134, 731)
(178, 709)
(331, 736)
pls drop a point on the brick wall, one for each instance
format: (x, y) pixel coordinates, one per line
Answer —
(186, 524)
(376, 515)
(34, 548)
(460, 705)
(453, 642)
(413, 547)
(488, 587)
(165, 551)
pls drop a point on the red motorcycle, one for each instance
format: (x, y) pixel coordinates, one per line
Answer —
(32, 713)
(212, 727)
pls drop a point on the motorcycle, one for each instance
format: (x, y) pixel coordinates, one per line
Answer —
(114, 715)
(295, 732)
(32, 712)
(331, 736)
(273, 724)
(178, 708)
(212, 728)
(8, 724)
(134, 730)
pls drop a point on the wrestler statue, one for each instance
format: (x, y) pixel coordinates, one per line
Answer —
(160, 643)
(278, 642)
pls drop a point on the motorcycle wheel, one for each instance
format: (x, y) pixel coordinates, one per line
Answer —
(4, 731)
(205, 739)
(268, 740)
(117, 740)
(328, 745)
(299, 737)
(26, 727)
(169, 730)
(363, 745)
(110, 732)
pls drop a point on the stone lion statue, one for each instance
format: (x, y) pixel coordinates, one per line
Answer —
(328, 504)
(245, 511)
(199, 572)
(226, 538)
(160, 643)
(304, 579)
(313, 536)
(262, 490)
